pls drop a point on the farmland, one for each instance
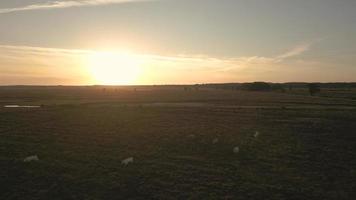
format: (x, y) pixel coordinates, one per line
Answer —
(181, 140)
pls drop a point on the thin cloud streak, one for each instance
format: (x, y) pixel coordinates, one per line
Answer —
(159, 69)
(43, 49)
(298, 50)
(199, 61)
(73, 52)
(66, 4)
(268, 61)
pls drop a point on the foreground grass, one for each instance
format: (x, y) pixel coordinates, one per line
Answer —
(304, 151)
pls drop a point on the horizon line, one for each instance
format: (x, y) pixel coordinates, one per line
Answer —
(183, 84)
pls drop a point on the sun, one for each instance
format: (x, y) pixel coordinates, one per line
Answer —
(114, 68)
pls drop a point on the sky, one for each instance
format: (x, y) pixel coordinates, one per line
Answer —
(85, 42)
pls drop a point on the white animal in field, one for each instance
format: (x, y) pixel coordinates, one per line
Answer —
(31, 158)
(256, 134)
(127, 161)
(215, 141)
(236, 149)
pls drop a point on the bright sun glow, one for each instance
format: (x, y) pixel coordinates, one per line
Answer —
(114, 68)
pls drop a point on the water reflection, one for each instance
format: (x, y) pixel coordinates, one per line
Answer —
(18, 106)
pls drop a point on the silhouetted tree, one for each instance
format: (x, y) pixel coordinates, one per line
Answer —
(313, 88)
(290, 88)
(258, 86)
(278, 87)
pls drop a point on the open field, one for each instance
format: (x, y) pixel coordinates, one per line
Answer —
(306, 147)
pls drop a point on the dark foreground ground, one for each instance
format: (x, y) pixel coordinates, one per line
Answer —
(306, 148)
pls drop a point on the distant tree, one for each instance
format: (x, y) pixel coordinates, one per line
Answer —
(278, 87)
(258, 86)
(290, 88)
(313, 88)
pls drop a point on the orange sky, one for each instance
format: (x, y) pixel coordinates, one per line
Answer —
(47, 42)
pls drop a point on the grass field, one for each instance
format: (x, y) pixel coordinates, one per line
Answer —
(306, 148)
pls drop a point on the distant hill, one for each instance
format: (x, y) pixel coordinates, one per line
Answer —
(296, 85)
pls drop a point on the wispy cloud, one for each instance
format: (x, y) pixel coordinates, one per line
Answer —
(296, 51)
(192, 62)
(42, 50)
(245, 62)
(65, 4)
(163, 68)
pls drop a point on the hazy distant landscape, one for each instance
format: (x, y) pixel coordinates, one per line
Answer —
(177, 99)
(182, 140)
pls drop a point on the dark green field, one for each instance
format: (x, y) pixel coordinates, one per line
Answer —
(306, 148)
